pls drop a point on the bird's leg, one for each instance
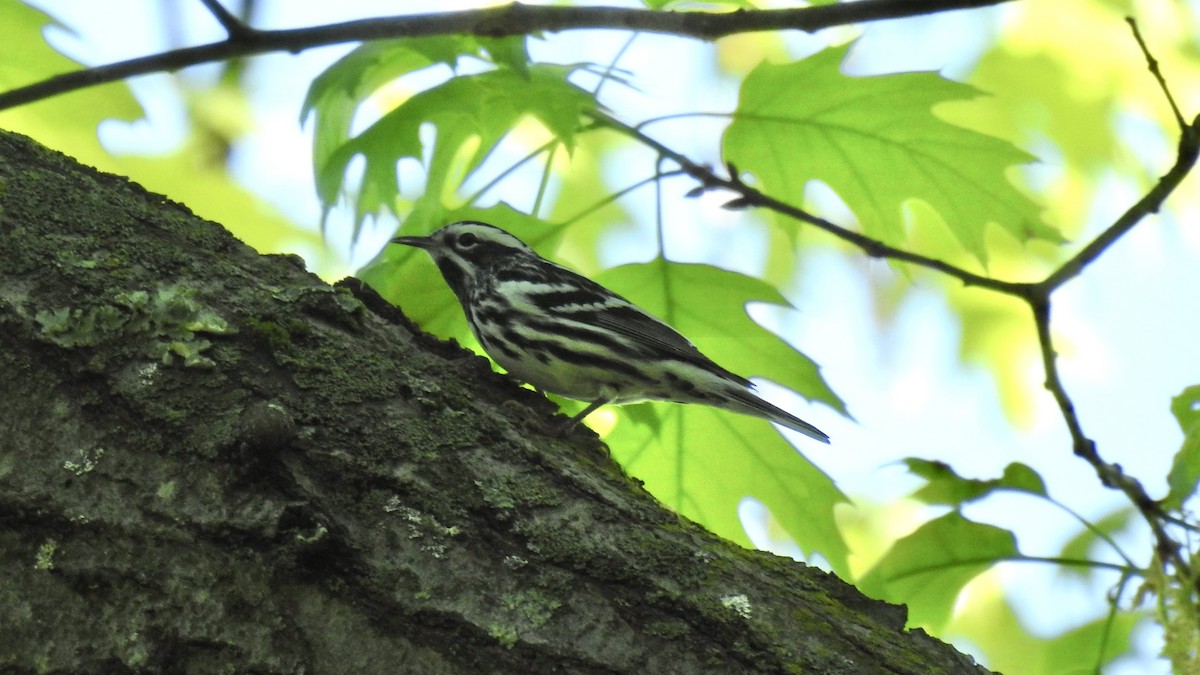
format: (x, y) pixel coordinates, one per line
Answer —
(566, 427)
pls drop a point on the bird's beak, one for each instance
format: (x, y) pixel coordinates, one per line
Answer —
(419, 242)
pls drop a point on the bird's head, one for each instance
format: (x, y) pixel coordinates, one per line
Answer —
(465, 250)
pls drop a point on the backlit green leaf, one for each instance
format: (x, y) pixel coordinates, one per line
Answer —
(1084, 545)
(707, 304)
(876, 142)
(927, 569)
(478, 109)
(69, 121)
(702, 462)
(944, 486)
(336, 94)
(990, 624)
(1185, 469)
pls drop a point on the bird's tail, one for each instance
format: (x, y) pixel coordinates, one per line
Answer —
(747, 402)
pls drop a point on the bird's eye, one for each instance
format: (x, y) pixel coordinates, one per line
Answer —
(467, 240)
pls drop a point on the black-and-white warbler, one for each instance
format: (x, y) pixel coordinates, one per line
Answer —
(568, 335)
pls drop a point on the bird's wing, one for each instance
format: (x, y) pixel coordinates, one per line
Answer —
(596, 305)
(631, 321)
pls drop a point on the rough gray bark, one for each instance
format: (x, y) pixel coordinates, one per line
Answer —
(211, 461)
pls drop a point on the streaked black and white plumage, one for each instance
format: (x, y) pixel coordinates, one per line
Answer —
(568, 335)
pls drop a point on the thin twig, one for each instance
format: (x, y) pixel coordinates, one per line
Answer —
(750, 196)
(1152, 63)
(1185, 161)
(1189, 151)
(234, 27)
(1111, 475)
(617, 195)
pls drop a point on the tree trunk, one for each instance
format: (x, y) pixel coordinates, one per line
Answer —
(211, 461)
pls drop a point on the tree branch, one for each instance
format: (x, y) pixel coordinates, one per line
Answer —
(1112, 475)
(514, 19)
(749, 196)
(1189, 151)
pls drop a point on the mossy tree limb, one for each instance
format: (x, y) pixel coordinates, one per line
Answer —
(211, 461)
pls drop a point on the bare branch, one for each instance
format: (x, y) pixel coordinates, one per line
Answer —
(751, 197)
(514, 19)
(1111, 475)
(1189, 151)
(1152, 63)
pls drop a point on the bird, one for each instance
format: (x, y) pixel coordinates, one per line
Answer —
(566, 334)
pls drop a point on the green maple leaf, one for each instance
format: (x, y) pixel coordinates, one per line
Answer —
(876, 142)
(994, 629)
(1185, 469)
(703, 462)
(944, 486)
(927, 569)
(707, 304)
(484, 107)
(65, 122)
